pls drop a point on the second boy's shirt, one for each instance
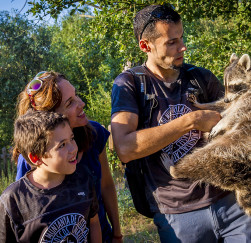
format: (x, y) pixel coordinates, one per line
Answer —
(60, 214)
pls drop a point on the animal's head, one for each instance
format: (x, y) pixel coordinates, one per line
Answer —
(237, 76)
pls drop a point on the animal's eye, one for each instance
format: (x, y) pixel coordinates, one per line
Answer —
(237, 87)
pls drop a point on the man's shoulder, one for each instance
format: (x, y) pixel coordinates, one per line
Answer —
(129, 74)
(124, 93)
(202, 75)
(137, 70)
(193, 68)
(122, 77)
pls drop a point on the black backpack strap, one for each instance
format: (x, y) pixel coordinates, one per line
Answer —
(198, 80)
(135, 169)
(146, 96)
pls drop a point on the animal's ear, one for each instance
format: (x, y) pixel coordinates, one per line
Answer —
(233, 57)
(245, 61)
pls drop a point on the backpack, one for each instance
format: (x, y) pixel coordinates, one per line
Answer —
(135, 169)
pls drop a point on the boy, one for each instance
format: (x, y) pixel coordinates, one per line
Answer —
(51, 203)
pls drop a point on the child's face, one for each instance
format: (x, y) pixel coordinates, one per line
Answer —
(61, 152)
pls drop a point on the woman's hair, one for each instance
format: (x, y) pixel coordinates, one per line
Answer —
(32, 132)
(48, 98)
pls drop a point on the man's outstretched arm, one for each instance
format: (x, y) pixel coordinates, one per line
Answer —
(131, 144)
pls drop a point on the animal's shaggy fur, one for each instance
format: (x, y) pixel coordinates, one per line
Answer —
(226, 160)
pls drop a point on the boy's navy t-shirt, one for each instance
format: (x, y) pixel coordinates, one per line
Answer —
(91, 160)
(59, 214)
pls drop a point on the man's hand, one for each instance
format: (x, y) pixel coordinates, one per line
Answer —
(205, 120)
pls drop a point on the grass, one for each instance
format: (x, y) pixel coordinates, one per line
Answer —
(135, 227)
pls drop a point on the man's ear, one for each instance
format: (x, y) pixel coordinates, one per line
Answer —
(144, 46)
(33, 158)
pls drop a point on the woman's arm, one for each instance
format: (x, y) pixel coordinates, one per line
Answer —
(109, 196)
(95, 230)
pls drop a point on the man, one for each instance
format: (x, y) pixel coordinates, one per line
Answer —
(184, 211)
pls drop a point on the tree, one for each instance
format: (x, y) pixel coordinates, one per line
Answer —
(92, 44)
(190, 10)
(24, 51)
(81, 59)
(114, 17)
(213, 30)
(211, 42)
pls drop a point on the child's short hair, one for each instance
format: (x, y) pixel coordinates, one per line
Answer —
(31, 132)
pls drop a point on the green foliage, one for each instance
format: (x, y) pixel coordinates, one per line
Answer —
(6, 180)
(25, 49)
(89, 67)
(114, 162)
(91, 45)
(91, 48)
(99, 105)
(114, 18)
(211, 42)
(135, 227)
(126, 207)
(190, 10)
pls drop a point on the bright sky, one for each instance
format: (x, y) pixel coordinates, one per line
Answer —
(11, 5)
(22, 5)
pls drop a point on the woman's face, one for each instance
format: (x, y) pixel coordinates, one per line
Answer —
(71, 105)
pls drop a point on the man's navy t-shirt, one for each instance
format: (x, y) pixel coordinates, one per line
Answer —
(165, 194)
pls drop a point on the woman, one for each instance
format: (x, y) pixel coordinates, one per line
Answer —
(52, 92)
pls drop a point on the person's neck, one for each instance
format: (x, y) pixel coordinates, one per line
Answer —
(169, 75)
(45, 180)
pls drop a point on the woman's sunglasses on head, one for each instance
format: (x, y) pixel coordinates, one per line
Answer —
(35, 85)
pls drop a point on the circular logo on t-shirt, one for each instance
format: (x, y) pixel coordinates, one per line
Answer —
(70, 228)
(179, 148)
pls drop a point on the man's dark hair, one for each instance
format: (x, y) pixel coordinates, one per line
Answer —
(32, 130)
(145, 20)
